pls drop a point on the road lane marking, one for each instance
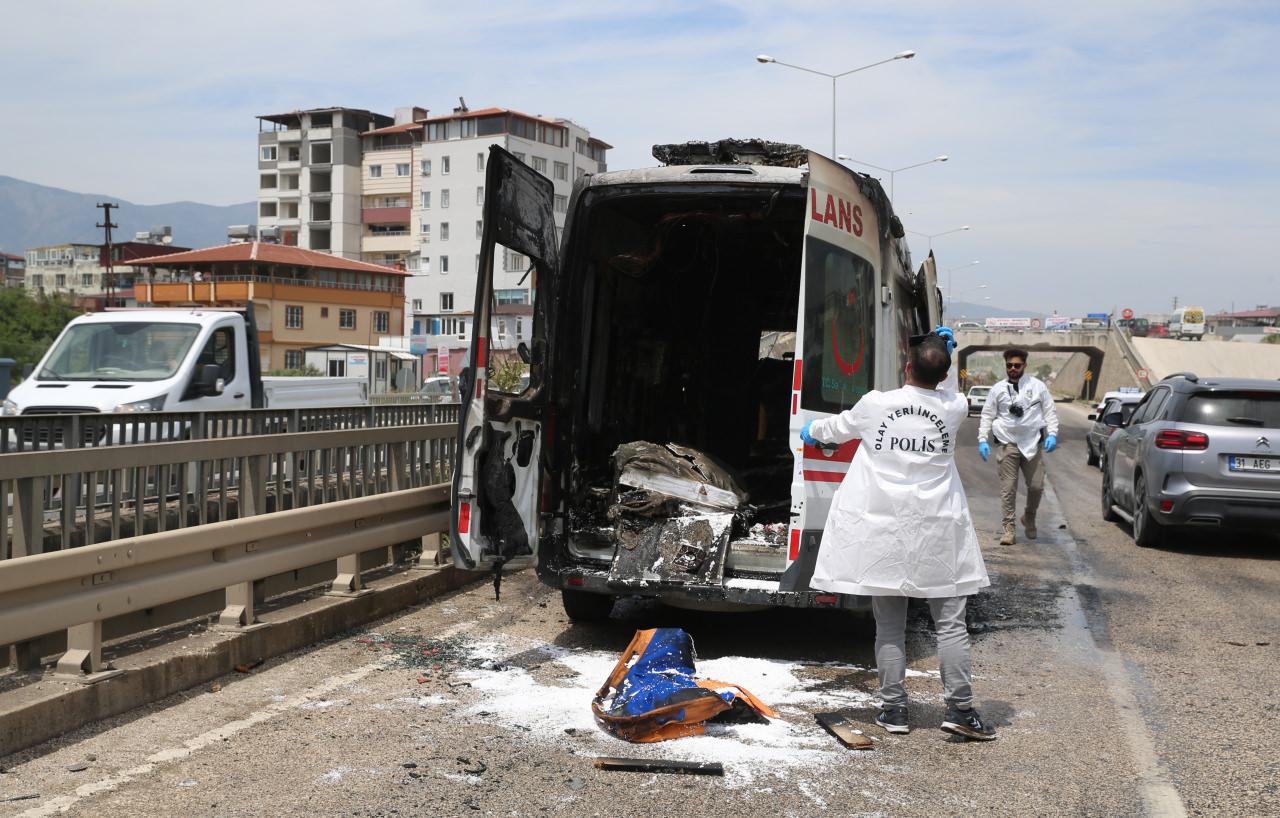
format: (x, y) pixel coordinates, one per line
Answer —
(63, 803)
(1154, 782)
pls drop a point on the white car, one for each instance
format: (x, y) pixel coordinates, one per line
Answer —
(977, 398)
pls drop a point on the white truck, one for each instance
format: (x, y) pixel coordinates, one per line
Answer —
(166, 360)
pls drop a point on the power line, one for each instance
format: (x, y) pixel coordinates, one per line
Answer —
(109, 277)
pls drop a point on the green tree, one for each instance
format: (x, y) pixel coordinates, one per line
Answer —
(307, 371)
(506, 375)
(1273, 338)
(1043, 371)
(30, 324)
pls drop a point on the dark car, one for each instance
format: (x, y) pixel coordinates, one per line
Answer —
(1095, 442)
(1202, 453)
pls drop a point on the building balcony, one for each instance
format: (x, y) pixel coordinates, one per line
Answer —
(319, 134)
(385, 215)
(288, 193)
(400, 242)
(289, 136)
(287, 165)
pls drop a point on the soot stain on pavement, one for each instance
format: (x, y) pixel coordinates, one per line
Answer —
(1012, 603)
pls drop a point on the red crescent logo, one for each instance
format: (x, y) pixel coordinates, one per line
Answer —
(845, 366)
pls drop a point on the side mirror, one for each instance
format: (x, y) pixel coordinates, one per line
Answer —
(1093, 417)
(210, 382)
(464, 384)
(27, 369)
(1113, 419)
(523, 351)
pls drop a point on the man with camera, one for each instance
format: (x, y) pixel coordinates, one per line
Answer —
(1019, 414)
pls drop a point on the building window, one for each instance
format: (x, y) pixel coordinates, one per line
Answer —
(86, 279)
(426, 200)
(320, 239)
(444, 165)
(321, 182)
(444, 197)
(519, 328)
(468, 127)
(425, 230)
(446, 302)
(479, 229)
(425, 167)
(511, 296)
(60, 280)
(381, 321)
(402, 169)
(267, 181)
(540, 164)
(293, 153)
(444, 231)
(289, 181)
(561, 203)
(292, 317)
(268, 153)
(324, 312)
(435, 131)
(321, 153)
(375, 171)
(320, 211)
(513, 261)
(417, 305)
(520, 156)
(480, 195)
(337, 368)
(562, 171)
(444, 264)
(479, 161)
(267, 210)
(346, 319)
(293, 359)
(477, 268)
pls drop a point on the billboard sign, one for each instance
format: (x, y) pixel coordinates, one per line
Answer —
(1008, 323)
(418, 344)
(442, 361)
(1057, 322)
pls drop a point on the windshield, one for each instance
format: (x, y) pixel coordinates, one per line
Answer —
(123, 351)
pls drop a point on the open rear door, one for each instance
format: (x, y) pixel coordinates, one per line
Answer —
(928, 279)
(498, 470)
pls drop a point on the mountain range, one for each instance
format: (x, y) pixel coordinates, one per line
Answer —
(34, 215)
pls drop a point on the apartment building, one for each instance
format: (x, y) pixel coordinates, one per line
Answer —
(14, 269)
(309, 178)
(79, 271)
(387, 171)
(303, 299)
(448, 216)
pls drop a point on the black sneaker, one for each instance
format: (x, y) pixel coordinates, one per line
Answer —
(894, 719)
(968, 723)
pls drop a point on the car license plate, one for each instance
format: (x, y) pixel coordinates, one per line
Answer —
(1236, 463)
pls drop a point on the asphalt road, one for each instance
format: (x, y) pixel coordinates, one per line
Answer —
(1123, 681)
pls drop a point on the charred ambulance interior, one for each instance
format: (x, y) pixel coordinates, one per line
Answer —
(678, 330)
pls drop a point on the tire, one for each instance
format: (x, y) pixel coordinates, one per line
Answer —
(584, 606)
(1147, 533)
(1108, 513)
(1091, 458)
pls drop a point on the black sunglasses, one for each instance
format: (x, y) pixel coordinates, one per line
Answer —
(1010, 365)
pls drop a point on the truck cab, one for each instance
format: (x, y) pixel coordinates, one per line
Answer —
(693, 319)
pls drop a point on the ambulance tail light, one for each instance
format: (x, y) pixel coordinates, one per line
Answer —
(575, 582)
(794, 551)
(464, 518)
(826, 599)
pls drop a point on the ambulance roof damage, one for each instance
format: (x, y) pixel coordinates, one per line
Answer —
(732, 152)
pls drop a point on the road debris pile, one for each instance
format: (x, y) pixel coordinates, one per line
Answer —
(414, 651)
(653, 695)
(674, 510)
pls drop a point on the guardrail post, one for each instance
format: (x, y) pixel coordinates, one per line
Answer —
(240, 613)
(24, 656)
(28, 517)
(83, 659)
(429, 557)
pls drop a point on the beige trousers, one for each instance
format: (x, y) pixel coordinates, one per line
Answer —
(1011, 461)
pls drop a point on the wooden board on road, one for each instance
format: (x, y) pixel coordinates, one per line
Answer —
(843, 729)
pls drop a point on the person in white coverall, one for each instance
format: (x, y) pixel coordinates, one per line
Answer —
(899, 527)
(1019, 413)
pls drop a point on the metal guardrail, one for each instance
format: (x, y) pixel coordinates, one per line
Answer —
(152, 523)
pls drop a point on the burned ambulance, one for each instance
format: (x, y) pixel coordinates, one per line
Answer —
(692, 319)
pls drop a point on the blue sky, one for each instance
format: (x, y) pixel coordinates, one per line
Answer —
(1106, 154)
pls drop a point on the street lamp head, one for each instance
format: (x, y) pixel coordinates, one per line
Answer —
(942, 158)
(904, 55)
(966, 227)
(764, 58)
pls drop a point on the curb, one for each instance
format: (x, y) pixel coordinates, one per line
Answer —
(52, 707)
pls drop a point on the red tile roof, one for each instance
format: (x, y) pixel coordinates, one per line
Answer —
(11, 257)
(267, 254)
(403, 128)
(1263, 313)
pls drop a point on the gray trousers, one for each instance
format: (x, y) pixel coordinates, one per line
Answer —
(1011, 460)
(953, 648)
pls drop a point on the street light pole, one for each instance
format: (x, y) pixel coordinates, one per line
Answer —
(844, 157)
(901, 55)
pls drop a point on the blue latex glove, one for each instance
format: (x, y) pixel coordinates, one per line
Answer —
(806, 437)
(984, 449)
(1050, 443)
(947, 335)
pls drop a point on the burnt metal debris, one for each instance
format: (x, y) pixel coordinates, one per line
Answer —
(732, 152)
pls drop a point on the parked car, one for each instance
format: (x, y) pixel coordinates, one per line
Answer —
(437, 388)
(977, 398)
(1158, 331)
(969, 325)
(1196, 453)
(1095, 442)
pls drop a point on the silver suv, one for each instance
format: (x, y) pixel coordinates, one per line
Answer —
(1196, 453)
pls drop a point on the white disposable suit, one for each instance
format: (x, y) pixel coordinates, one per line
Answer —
(899, 523)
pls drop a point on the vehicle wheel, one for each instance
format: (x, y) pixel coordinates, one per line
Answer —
(1108, 513)
(1147, 533)
(584, 606)
(1091, 458)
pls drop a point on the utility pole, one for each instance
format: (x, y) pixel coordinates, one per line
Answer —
(1175, 303)
(109, 277)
